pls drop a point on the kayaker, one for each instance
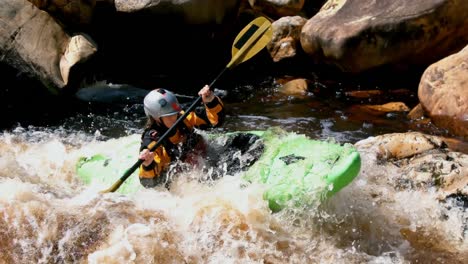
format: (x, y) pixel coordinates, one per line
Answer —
(163, 109)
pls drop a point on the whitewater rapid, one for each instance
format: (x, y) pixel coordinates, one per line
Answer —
(48, 215)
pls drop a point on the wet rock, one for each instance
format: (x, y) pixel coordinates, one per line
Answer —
(416, 113)
(385, 108)
(80, 49)
(365, 94)
(403, 145)
(297, 87)
(456, 144)
(422, 162)
(360, 35)
(285, 40)
(443, 93)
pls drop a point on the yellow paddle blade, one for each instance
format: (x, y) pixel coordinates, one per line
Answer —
(253, 38)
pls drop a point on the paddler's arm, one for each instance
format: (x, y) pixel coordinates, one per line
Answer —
(213, 114)
(213, 105)
(154, 162)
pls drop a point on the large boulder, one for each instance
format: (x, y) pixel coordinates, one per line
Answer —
(34, 43)
(443, 93)
(360, 35)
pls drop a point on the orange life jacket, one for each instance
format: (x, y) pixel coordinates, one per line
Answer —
(179, 142)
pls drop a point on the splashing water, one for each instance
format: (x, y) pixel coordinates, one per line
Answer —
(47, 215)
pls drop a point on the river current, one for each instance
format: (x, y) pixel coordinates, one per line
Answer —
(48, 215)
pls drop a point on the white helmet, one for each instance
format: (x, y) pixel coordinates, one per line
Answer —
(160, 102)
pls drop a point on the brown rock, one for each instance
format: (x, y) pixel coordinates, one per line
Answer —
(443, 93)
(285, 39)
(295, 87)
(416, 113)
(360, 35)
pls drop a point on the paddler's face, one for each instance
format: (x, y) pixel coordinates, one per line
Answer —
(169, 121)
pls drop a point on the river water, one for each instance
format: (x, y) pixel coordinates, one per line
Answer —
(47, 215)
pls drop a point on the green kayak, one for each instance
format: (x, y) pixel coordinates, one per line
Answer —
(296, 170)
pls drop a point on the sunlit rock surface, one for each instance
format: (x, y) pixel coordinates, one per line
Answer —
(360, 35)
(443, 93)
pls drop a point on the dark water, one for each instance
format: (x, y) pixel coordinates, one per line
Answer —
(328, 110)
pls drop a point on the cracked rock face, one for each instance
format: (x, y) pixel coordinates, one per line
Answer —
(418, 162)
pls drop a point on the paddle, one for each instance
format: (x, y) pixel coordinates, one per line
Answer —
(253, 38)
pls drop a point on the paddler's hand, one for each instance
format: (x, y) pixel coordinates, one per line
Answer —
(147, 156)
(206, 94)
